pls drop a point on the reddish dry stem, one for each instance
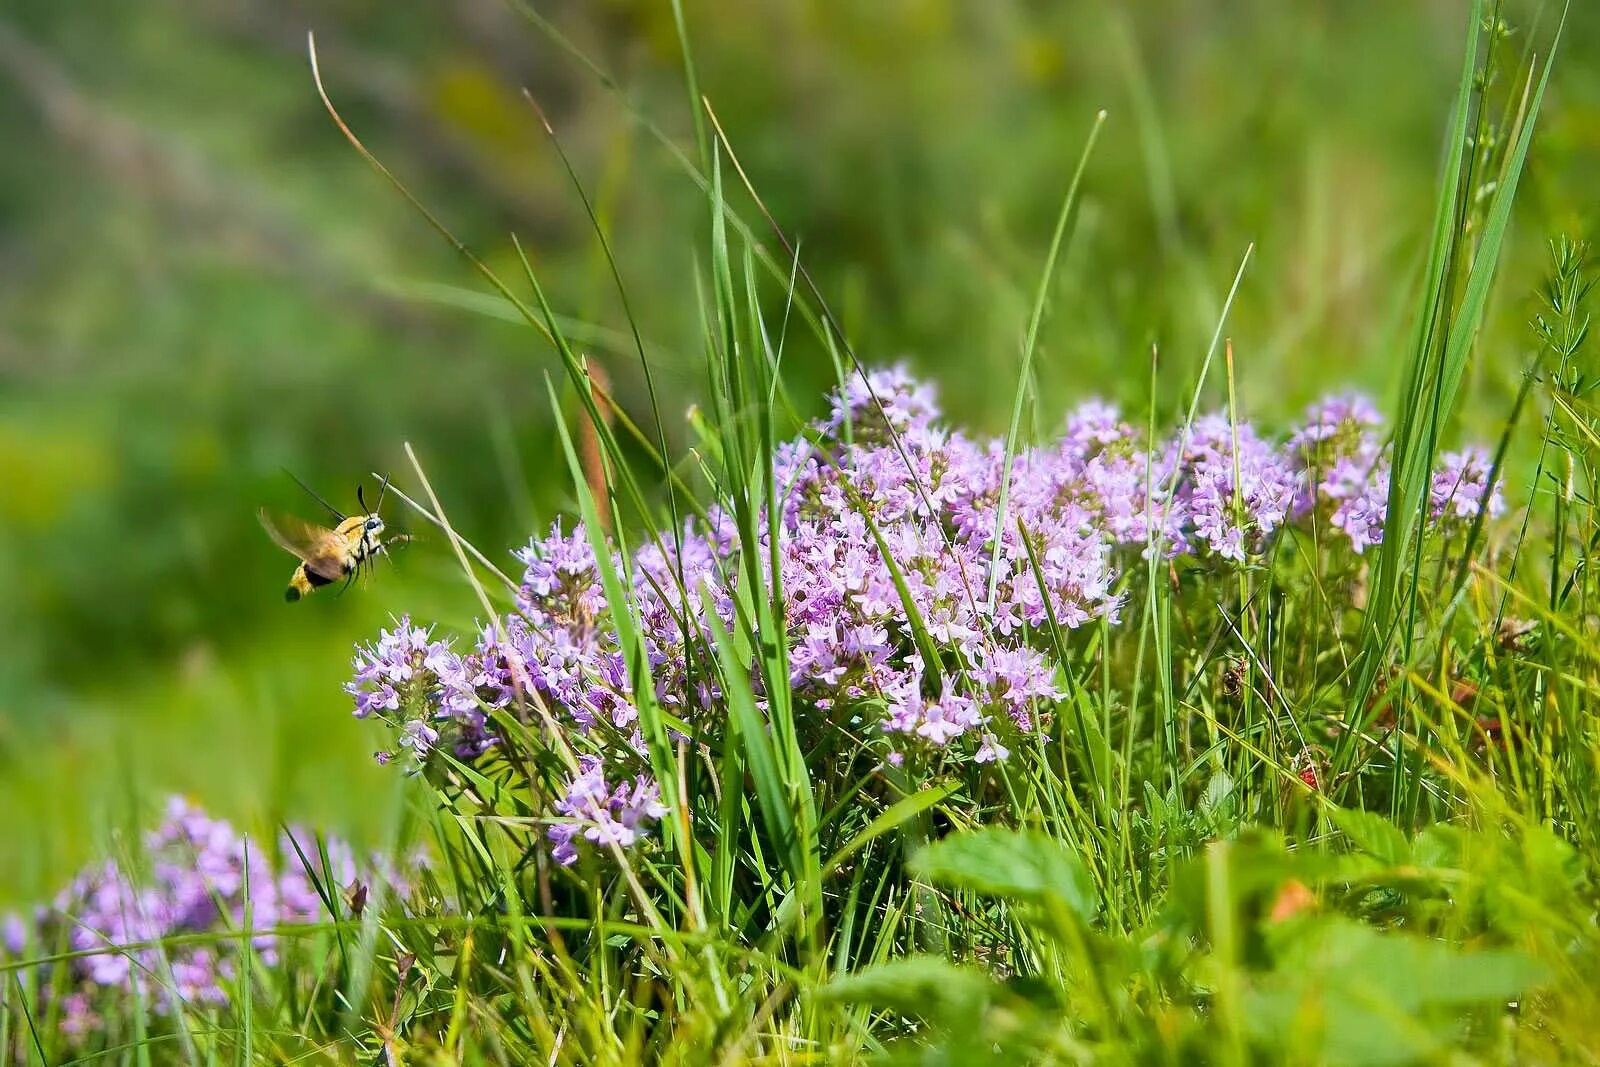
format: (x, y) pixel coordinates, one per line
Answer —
(589, 453)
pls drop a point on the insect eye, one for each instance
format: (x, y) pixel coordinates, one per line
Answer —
(373, 524)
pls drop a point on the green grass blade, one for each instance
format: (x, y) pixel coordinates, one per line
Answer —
(1417, 431)
(662, 759)
(753, 738)
(1069, 208)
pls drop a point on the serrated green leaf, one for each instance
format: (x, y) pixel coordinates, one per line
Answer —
(1375, 835)
(1021, 865)
(927, 987)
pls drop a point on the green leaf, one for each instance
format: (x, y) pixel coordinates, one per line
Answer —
(1022, 865)
(1374, 835)
(930, 988)
(1349, 994)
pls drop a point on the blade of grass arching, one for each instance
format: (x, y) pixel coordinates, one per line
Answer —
(627, 311)
(891, 818)
(585, 387)
(545, 323)
(1069, 207)
(433, 220)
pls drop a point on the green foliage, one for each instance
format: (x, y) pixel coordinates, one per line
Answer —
(1017, 865)
(1315, 984)
(951, 998)
(1344, 993)
(1325, 809)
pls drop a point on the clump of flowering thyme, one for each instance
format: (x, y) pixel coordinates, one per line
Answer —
(138, 936)
(882, 476)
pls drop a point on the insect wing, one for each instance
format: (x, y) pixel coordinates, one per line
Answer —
(319, 548)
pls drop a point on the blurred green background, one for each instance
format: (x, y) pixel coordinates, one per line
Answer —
(202, 284)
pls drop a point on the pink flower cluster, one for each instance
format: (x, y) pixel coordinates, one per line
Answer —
(887, 516)
(600, 813)
(202, 876)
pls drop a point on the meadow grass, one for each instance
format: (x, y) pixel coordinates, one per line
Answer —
(1303, 805)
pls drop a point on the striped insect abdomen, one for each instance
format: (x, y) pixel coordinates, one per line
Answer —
(303, 582)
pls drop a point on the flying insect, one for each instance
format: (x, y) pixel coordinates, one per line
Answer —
(329, 555)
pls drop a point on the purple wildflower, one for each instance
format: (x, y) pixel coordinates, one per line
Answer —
(1460, 486)
(598, 812)
(202, 876)
(880, 506)
(1347, 471)
(1235, 488)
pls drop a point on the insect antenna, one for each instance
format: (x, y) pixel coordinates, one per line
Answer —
(382, 491)
(335, 512)
(361, 499)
